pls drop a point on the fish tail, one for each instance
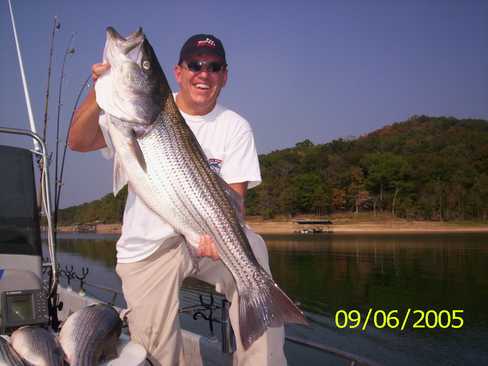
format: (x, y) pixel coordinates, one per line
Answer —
(266, 306)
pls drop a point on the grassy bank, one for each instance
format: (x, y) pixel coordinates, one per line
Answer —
(367, 223)
(341, 223)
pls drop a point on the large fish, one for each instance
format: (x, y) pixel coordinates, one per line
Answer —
(37, 346)
(165, 165)
(8, 356)
(90, 335)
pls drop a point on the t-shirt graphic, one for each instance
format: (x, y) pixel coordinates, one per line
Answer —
(215, 165)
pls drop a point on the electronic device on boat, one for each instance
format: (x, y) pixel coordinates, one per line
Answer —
(23, 298)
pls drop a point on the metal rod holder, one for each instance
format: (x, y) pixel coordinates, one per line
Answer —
(228, 337)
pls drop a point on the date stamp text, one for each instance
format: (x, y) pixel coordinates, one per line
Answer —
(393, 319)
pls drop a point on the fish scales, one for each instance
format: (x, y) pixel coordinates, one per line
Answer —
(202, 190)
(204, 199)
(175, 154)
(172, 187)
(196, 155)
(170, 150)
(37, 346)
(82, 338)
(88, 334)
(8, 356)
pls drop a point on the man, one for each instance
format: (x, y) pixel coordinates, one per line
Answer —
(152, 259)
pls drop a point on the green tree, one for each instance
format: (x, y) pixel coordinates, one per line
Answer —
(386, 173)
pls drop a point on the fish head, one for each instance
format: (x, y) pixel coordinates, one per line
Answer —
(137, 77)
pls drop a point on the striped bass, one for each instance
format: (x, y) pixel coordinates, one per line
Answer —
(166, 167)
(8, 356)
(37, 346)
(90, 335)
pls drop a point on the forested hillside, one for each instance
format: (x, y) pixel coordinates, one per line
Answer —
(433, 168)
(107, 210)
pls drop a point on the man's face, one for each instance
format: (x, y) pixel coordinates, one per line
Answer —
(199, 90)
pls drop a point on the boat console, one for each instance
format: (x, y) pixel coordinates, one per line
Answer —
(23, 301)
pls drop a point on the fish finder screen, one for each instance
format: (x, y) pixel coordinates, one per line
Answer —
(20, 307)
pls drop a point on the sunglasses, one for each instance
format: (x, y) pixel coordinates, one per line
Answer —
(197, 66)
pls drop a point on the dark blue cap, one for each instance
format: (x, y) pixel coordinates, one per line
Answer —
(202, 44)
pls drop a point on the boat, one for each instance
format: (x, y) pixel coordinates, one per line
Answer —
(313, 222)
(313, 226)
(29, 290)
(30, 293)
(313, 230)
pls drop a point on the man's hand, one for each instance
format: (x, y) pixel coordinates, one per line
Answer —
(98, 70)
(206, 248)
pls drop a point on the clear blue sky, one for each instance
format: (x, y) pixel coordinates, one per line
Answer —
(315, 70)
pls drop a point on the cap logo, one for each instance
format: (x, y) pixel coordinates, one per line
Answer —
(207, 42)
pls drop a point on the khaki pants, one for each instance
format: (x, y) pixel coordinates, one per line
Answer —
(151, 289)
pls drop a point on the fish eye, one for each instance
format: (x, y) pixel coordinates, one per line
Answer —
(146, 65)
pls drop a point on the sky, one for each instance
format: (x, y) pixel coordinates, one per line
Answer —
(317, 70)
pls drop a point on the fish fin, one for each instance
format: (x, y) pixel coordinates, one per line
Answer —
(120, 177)
(123, 315)
(134, 145)
(9, 354)
(132, 133)
(109, 351)
(192, 242)
(58, 353)
(235, 199)
(266, 306)
(141, 131)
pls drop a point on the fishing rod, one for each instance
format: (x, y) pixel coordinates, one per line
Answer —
(69, 51)
(32, 123)
(53, 303)
(41, 152)
(56, 26)
(58, 194)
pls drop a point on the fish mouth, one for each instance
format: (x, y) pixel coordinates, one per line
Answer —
(126, 44)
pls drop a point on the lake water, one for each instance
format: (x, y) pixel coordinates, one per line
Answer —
(329, 273)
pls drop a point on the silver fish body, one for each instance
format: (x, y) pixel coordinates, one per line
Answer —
(167, 168)
(37, 346)
(90, 335)
(8, 356)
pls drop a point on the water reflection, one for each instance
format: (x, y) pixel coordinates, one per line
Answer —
(97, 250)
(327, 273)
(385, 272)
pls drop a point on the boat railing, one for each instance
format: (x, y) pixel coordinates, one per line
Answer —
(354, 360)
(42, 155)
(208, 305)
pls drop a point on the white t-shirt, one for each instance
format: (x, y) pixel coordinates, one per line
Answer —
(228, 142)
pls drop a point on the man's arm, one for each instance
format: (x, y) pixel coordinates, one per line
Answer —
(241, 188)
(85, 133)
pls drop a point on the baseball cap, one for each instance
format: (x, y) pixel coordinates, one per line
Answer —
(202, 44)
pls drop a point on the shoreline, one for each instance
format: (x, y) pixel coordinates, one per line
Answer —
(368, 228)
(339, 226)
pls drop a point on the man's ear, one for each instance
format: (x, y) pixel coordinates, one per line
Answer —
(225, 78)
(177, 71)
